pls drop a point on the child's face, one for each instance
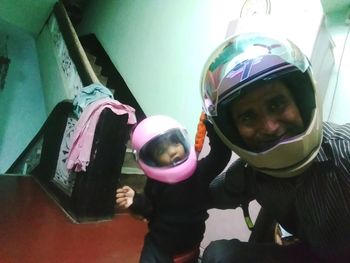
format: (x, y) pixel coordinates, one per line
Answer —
(170, 154)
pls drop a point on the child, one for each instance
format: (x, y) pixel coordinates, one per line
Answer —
(176, 195)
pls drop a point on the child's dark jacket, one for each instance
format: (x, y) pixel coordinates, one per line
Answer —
(177, 212)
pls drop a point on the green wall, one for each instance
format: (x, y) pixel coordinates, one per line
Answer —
(28, 15)
(22, 110)
(160, 47)
(51, 78)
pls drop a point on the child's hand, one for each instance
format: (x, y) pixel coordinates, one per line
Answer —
(124, 197)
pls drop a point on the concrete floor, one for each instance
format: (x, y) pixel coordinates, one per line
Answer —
(33, 229)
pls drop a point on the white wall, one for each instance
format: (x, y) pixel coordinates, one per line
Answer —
(337, 99)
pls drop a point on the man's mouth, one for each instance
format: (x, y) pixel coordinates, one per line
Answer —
(269, 143)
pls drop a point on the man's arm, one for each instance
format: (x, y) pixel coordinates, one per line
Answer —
(218, 157)
(229, 189)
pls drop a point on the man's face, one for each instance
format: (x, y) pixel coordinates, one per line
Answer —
(267, 115)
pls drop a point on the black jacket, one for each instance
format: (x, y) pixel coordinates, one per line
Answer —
(313, 206)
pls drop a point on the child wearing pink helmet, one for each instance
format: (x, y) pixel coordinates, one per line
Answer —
(176, 195)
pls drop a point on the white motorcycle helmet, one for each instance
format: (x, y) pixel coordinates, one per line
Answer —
(249, 60)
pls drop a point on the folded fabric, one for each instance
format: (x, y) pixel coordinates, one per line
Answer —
(88, 95)
(82, 139)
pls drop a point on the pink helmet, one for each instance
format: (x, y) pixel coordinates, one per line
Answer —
(154, 137)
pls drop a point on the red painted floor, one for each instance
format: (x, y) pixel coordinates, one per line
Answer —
(33, 229)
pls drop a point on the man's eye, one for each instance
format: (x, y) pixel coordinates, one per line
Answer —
(277, 105)
(247, 118)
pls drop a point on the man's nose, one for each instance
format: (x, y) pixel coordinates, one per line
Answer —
(270, 125)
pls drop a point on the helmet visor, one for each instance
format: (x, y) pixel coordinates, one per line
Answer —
(244, 59)
(166, 150)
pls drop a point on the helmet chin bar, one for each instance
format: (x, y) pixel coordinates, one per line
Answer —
(293, 170)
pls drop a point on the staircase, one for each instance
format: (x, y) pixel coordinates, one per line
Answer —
(90, 195)
(108, 76)
(97, 68)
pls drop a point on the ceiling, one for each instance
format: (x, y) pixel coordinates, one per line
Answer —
(30, 15)
(27, 15)
(335, 5)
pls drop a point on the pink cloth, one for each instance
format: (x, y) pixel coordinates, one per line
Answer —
(83, 135)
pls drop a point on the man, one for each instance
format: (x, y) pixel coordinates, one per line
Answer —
(260, 94)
